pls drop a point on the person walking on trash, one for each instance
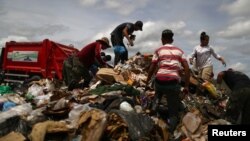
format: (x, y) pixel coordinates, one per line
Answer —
(202, 55)
(169, 59)
(238, 106)
(78, 66)
(123, 30)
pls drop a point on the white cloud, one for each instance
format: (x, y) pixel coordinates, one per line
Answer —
(150, 38)
(89, 2)
(125, 7)
(187, 33)
(237, 30)
(120, 6)
(239, 66)
(238, 7)
(219, 49)
(12, 38)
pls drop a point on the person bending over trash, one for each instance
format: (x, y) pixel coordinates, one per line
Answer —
(169, 59)
(95, 67)
(117, 35)
(238, 106)
(77, 67)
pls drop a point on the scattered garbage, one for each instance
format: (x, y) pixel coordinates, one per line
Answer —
(5, 90)
(115, 107)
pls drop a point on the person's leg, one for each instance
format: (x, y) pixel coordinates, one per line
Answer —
(67, 70)
(207, 73)
(126, 54)
(76, 69)
(123, 53)
(173, 101)
(117, 58)
(171, 91)
(79, 72)
(123, 57)
(158, 95)
(114, 43)
(64, 73)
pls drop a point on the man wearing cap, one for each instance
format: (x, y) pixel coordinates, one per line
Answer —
(83, 60)
(124, 30)
(167, 62)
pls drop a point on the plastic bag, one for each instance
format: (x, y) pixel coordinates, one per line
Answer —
(211, 89)
(35, 90)
(7, 105)
(5, 90)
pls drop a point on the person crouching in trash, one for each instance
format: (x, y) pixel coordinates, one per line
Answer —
(77, 67)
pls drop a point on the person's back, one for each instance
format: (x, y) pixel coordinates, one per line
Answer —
(236, 80)
(167, 60)
(170, 63)
(118, 31)
(239, 99)
(87, 54)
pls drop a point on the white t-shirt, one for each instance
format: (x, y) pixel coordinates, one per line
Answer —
(203, 56)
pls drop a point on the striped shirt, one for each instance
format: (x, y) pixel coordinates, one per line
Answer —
(203, 56)
(169, 59)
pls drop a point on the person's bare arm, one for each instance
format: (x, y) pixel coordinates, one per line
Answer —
(151, 71)
(187, 73)
(222, 61)
(125, 33)
(220, 77)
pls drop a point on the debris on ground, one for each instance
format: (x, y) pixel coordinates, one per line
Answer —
(115, 107)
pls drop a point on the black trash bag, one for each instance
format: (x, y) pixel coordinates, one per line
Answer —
(15, 124)
(139, 125)
(112, 102)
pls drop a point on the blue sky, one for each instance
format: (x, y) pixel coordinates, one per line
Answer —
(79, 22)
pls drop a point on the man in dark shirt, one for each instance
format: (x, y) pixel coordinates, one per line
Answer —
(82, 61)
(117, 35)
(239, 99)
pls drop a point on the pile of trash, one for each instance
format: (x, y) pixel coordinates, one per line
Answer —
(115, 107)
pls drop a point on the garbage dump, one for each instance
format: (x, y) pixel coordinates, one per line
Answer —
(115, 107)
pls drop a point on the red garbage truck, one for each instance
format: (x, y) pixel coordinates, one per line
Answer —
(21, 61)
